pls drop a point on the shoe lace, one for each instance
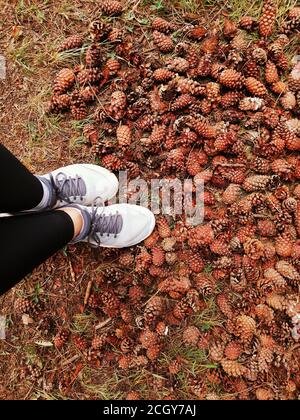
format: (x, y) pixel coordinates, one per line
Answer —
(66, 187)
(109, 224)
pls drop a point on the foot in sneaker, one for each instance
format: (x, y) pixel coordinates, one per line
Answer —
(79, 184)
(115, 226)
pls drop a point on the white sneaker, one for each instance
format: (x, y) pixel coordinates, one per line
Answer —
(78, 184)
(115, 226)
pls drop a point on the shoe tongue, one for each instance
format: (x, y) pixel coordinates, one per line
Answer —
(70, 187)
(112, 224)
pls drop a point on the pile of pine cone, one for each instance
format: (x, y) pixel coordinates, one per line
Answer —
(216, 105)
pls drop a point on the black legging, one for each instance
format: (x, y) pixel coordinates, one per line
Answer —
(26, 240)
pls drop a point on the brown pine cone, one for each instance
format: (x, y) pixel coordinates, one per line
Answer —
(153, 309)
(163, 42)
(271, 73)
(93, 55)
(247, 22)
(80, 342)
(99, 341)
(191, 336)
(99, 30)
(231, 79)
(255, 87)
(26, 306)
(124, 135)
(268, 18)
(61, 338)
(182, 102)
(178, 64)
(233, 368)
(87, 76)
(63, 81)
(148, 338)
(71, 43)
(78, 107)
(163, 75)
(59, 103)
(111, 7)
(162, 25)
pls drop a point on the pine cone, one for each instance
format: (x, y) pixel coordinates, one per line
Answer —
(247, 22)
(288, 101)
(163, 228)
(279, 87)
(148, 338)
(204, 285)
(61, 338)
(89, 93)
(251, 69)
(99, 341)
(162, 25)
(153, 352)
(259, 55)
(287, 270)
(158, 134)
(111, 162)
(225, 305)
(93, 55)
(216, 351)
(153, 309)
(87, 76)
(99, 30)
(80, 342)
(63, 81)
(136, 294)
(124, 135)
(255, 87)
(268, 18)
(257, 183)
(111, 7)
(251, 104)
(271, 73)
(158, 256)
(113, 65)
(182, 102)
(233, 368)
(26, 306)
(245, 328)
(230, 99)
(175, 159)
(126, 314)
(195, 263)
(264, 394)
(59, 103)
(71, 43)
(191, 336)
(231, 79)
(163, 42)
(178, 64)
(162, 75)
(233, 350)
(202, 127)
(78, 107)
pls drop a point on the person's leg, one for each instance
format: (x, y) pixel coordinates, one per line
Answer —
(80, 183)
(28, 240)
(20, 189)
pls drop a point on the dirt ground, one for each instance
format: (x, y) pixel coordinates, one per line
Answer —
(31, 367)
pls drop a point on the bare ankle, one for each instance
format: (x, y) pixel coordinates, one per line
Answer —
(76, 217)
